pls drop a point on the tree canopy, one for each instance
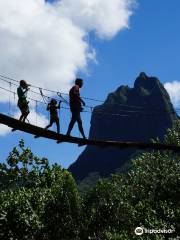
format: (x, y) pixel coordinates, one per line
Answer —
(40, 201)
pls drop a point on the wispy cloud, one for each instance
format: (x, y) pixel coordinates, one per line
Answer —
(173, 89)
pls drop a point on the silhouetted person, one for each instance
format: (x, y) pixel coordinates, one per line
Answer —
(52, 107)
(76, 107)
(22, 101)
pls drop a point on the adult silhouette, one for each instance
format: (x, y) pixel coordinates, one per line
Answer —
(22, 100)
(76, 103)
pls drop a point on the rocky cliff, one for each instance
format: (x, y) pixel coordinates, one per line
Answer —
(128, 114)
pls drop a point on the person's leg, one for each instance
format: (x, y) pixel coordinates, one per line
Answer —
(22, 111)
(21, 117)
(71, 124)
(25, 116)
(50, 124)
(80, 126)
(58, 125)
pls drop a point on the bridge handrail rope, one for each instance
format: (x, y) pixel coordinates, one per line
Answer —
(62, 98)
(138, 113)
(59, 94)
(42, 95)
(92, 99)
(38, 101)
(48, 90)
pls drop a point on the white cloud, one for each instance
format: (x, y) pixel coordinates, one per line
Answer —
(47, 45)
(38, 45)
(4, 130)
(37, 119)
(173, 89)
(105, 17)
(34, 118)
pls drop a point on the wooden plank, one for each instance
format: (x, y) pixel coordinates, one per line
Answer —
(38, 131)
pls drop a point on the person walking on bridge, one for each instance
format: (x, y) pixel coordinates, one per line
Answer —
(22, 101)
(76, 103)
(52, 108)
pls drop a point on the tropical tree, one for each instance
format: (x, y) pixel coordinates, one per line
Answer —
(37, 201)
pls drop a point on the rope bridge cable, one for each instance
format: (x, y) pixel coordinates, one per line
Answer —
(90, 107)
(37, 87)
(44, 97)
(14, 84)
(29, 98)
(36, 109)
(9, 99)
(37, 131)
(100, 112)
(87, 98)
(63, 99)
(92, 99)
(48, 90)
(139, 112)
(38, 101)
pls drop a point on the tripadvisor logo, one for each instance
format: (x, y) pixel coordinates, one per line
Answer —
(139, 231)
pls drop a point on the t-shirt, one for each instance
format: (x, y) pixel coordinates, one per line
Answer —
(22, 94)
(53, 109)
(74, 95)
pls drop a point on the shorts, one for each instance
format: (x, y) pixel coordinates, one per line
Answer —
(23, 106)
(54, 118)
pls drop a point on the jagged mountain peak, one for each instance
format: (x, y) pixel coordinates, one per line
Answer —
(129, 114)
(146, 91)
(146, 82)
(119, 96)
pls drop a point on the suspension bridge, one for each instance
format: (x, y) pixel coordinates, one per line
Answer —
(59, 138)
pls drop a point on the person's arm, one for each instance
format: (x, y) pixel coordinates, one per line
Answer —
(82, 101)
(59, 105)
(77, 93)
(25, 92)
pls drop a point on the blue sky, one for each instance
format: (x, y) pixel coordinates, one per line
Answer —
(151, 44)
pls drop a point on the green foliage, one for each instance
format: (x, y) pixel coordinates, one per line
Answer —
(62, 212)
(147, 197)
(88, 183)
(20, 213)
(39, 201)
(22, 169)
(107, 207)
(173, 135)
